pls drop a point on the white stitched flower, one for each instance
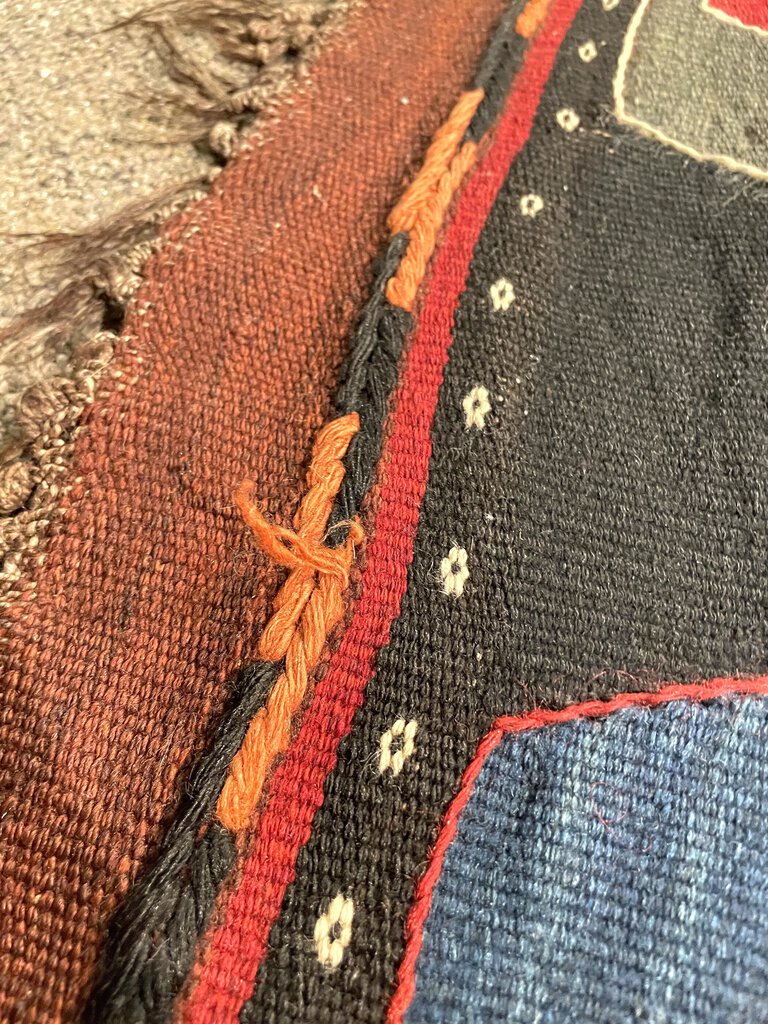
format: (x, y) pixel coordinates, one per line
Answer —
(588, 51)
(568, 119)
(531, 204)
(454, 572)
(502, 294)
(333, 931)
(476, 407)
(405, 733)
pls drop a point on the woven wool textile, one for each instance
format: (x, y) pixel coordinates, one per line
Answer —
(611, 508)
(607, 871)
(150, 596)
(398, 649)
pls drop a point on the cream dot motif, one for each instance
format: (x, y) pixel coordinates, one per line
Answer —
(403, 733)
(588, 51)
(502, 294)
(454, 572)
(568, 119)
(476, 407)
(531, 204)
(333, 931)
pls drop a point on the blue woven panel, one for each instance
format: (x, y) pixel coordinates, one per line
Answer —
(608, 872)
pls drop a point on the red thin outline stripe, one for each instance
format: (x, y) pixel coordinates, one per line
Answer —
(226, 977)
(422, 900)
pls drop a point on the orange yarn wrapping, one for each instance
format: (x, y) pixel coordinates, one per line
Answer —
(531, 18)
(309, 605)
(403, 285)
(421, 210)
(438, 157)
(311, 602)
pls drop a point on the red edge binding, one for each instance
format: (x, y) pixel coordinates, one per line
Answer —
(422, 901)
(225, 979)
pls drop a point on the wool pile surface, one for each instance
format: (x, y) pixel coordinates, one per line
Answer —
(397, 651)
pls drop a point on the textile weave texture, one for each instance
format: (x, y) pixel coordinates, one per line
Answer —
(124, 647)
(609, 500)
(443, 416)
(608, 871)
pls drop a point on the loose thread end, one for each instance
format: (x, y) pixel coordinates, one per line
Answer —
(309, 605)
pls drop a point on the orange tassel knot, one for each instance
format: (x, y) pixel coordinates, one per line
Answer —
(308, 607)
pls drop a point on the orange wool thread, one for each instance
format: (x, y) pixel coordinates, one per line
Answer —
(531, 17)
(309, 605)
(304, 548)
(403, 286)
(422, 208)
(436, 161)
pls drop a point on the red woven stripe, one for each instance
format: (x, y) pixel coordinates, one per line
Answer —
(226, 978)
(422, 901)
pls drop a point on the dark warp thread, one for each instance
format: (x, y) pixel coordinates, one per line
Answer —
(151, 943)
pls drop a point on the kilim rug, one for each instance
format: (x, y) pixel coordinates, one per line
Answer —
(393, 646)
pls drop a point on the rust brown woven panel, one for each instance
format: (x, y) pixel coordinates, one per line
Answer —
(150, 595)
(113, 126)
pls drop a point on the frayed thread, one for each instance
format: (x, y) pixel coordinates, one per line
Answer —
(55, 353)
(51, 358)
(261, 46)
